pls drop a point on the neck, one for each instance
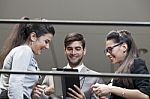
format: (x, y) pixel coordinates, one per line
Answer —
(75, 65)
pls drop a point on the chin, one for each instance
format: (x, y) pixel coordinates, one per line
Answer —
(73, 62)
(113, 62)
(38, 53)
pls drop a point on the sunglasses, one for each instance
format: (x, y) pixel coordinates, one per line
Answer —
(109, 49)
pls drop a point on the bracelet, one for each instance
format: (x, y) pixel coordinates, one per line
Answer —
(123, 93)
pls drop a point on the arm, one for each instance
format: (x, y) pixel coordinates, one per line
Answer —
(142, 84)
(104, 90)
(48, 81)
(21, 60)
(38, 91)
(44, 90)
(100, 81)
(128, 93)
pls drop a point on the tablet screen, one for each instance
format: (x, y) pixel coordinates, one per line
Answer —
(62, 83)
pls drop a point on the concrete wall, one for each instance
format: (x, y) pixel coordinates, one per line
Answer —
(96, 10)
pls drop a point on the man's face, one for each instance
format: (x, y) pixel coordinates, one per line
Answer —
(75, 53)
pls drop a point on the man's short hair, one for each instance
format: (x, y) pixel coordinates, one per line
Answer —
(71, 37)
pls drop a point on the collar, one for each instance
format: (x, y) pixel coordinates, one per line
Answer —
(79, 67)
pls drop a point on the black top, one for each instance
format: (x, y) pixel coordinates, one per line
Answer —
(142, 84)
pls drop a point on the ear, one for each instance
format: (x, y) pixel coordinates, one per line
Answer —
(84, 50)
(33, 36)
(65, 50)
(124, 47)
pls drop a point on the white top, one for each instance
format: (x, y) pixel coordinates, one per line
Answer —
(79, 67)
(19, 58)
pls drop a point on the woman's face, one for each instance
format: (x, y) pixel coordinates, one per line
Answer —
(115, 51)
(41, 43)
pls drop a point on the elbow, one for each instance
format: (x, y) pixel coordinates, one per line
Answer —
(146, 97)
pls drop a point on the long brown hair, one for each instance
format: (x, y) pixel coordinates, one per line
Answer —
(20, 34)
(132, 51)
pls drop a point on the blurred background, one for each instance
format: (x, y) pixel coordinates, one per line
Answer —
(85, 10)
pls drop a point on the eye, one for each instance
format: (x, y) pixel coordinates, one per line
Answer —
(47, 41)
(69, 48)
(108, 49)
(78, 48)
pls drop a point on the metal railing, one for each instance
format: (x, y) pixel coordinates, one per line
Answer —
(72, 22)
(60, 73)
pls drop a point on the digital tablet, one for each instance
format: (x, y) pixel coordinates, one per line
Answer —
(62, 83)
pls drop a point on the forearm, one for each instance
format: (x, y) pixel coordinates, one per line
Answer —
(128, 93)
(48, 81)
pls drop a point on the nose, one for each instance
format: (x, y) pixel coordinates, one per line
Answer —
(47, 46)
(73, 51)
(107, 54)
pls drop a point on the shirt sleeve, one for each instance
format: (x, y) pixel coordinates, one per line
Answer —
(21, 60)
(143, 84)
(48, 80)
(100, 81)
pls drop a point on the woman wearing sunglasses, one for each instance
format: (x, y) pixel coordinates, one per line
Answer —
(121, 49)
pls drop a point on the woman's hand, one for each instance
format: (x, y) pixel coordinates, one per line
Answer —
(49, 90)
(38, 91)
(101, 89)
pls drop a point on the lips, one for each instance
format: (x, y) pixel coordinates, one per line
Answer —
(73, 58)
(42, 49)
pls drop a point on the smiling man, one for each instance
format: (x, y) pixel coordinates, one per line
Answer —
(75, 50)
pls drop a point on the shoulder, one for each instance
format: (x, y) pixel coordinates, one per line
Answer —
(139, 60)
(139, 66)
(23, 48)
(20, 49)
(23, 51)
(86, 69)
